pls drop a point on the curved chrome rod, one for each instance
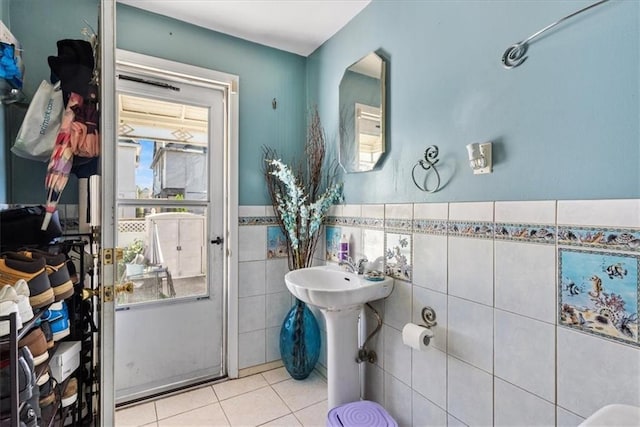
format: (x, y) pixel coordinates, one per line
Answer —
(514, 55)
(429, 162)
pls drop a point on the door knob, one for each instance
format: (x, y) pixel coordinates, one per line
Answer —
(218, 241)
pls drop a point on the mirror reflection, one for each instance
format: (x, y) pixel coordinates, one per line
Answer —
(362, 115)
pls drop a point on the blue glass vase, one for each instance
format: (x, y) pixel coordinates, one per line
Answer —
(299, 341)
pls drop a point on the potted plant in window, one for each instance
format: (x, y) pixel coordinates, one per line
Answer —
(301, 198)
(133, 257)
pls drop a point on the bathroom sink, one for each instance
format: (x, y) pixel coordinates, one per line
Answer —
(332, 289)
(614, 415)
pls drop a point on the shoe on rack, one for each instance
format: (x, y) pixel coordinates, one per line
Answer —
(6, 308)
(28, 416)
(24, 305)
(56, 265)
(46, 375)
(47, 393)
(37, 344)
(60, 323)
(35, 390)
(15, 266)
(70, 393)
(48, 335)
(25, 377)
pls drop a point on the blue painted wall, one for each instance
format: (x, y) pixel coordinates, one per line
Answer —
(265, 73)
(565, 125)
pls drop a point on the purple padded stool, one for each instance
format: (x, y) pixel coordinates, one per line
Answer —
(363, 413)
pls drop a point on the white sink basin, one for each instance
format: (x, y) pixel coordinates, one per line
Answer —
(614, 415)
(332, 289)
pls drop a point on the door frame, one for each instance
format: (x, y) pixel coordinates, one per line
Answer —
(193, 75)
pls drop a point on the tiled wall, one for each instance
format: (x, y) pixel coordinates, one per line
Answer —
(507, 349)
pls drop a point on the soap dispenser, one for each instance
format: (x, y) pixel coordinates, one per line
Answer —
(343, 251)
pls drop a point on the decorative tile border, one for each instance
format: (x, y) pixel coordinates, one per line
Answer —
(482, 230)
(599, 293)
(609, 238)
(257, 220)
(372, 222)
(405, 225)
(526, 233)
(429, 226)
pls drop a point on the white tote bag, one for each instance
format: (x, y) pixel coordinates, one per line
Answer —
(40, 126)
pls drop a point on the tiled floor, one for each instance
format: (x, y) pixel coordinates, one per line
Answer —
(271, 398)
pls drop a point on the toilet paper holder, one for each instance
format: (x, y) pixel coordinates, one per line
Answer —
(429, 317)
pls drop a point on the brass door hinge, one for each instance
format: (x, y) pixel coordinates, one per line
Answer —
(111, 255)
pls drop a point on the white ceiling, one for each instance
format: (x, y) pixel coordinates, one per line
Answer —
(298, 26)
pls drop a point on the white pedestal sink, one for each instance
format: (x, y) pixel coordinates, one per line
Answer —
(340, 297)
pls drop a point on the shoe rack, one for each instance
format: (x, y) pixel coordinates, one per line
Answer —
(82, 328)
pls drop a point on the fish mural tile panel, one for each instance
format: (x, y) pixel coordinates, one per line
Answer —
(598, 293)
(526, 233)
(614, 239)
(276, 243)
(398, 256)
(332, 236)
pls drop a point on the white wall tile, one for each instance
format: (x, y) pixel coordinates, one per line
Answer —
(251, 278)
(470, 393)
(470, 269)
(251, 313)
(374, 383)
(594, 372)
(515, 407)
(565, 418)
(398, 211)
(273, 344)
(352, 210)
(277, 307)
(438, 302)
(373, 211)
(276, 269)
(397, 306)
(525, 353)
(252, 243)
(526, 279)
(376, 343)
(251, 349)
(397, 356)
(426, 413)
(438, 211)
(248, 210)
(373, 247)
(537, 212)
(429, 374)
(454, 422)
(430, 261)
(397, 400)
(471, 211)
(335, 210)
(354, 234)
(610, 213)
(470, 332)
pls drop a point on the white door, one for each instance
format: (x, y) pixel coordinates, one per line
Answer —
(169, 332)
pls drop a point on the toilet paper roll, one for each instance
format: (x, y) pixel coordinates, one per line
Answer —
(416, 336)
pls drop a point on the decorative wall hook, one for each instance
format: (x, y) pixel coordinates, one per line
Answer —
(429, 317)
(515, 54)
(429, 162)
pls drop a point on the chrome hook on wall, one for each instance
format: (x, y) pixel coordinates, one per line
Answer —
(515, 54)
(429, 162)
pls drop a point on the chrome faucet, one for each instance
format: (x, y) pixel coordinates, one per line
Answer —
(352, 266)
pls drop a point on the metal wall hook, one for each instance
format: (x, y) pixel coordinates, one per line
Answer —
(429, 162)
(429, 317)
(515, 54)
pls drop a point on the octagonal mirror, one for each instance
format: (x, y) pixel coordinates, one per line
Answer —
(362, 114)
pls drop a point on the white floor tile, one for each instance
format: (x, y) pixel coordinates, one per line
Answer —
(233, 388)
(210, 415)
(254, 408)
(276, 375)
(314, 415)
(300, 394)
(137, 415)
(286, 421)
(174, 405)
